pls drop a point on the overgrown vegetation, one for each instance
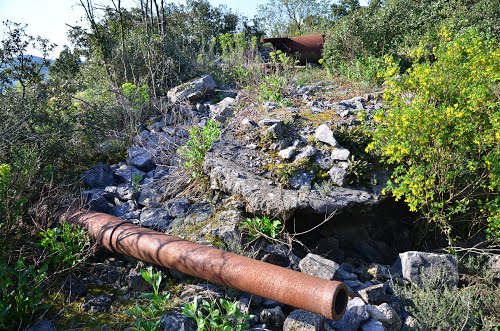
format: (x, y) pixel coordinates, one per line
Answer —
(437, 60)
(448, 168)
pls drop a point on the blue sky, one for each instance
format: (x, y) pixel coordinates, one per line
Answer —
(48, 18)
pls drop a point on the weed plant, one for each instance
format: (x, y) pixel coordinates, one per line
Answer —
(217, 315)
(264, 226)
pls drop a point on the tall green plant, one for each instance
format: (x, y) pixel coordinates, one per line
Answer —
(199, 142)
(441, 131)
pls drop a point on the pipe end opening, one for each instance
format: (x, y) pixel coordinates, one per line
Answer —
(340, 303)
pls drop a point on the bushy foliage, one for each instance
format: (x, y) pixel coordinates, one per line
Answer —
(21, 293)
(195, 149)
(66, 245)
(441, 131)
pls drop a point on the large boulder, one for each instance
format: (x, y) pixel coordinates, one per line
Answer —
(422, 268)
(192, 90)
(228, 166)
(141, 158)
(99, 176)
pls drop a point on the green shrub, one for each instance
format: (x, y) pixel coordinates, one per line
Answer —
(21, 293)
(195, 149)
(66, 245)
(217, 315)
(441, 131)
(273, 89)
(472, 307)
(258, 227)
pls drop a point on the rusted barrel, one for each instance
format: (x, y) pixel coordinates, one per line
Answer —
(309, 47)
(296, 289)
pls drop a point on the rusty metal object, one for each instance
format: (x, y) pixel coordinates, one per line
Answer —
(328, 298)
(309, 47)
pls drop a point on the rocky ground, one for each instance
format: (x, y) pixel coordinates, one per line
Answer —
(299, 164)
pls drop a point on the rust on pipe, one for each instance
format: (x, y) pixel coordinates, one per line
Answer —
(309, 47)
(296, 289)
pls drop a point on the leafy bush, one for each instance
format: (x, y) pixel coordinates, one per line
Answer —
(273, 89)
(66, 245)
(472, 307)
(147, 317)
(441, 131)
(217, 315)
(137, 96)
(262, 227)
(21, 293)
(195, 149)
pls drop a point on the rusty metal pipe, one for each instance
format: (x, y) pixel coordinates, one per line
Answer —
(309, 47)
(296, 289)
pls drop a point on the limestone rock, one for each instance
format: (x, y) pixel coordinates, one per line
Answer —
(325, 135)
(340, 154)
(193, 90)
(372, 325)
(386, 315)
(98, 176)
(301, 320)
(375, 294)
(306, 153)
(176, 321)
(140, 158)
(273, 318)
(318, 266)
(494, 266)
(155, 218)
(337, 175)
(355, 314)
(287, 153)
(419, 267)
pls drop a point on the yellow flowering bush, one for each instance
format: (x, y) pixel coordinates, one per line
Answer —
(441, 131)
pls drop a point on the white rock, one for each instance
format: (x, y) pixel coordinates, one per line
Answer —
(325, 135)
(340, 154)
(287, 153)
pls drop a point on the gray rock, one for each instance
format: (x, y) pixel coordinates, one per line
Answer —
(306, 153)
(248, 124)
(176, 321)
(421, 268)
(178, 207)
(287, 153)
(192, 90)
(386, 315)
(378, 271)
(229, 171)
(94, 200)
(372, 325)
(337, 175)
(325, 135)
(267, 122)
(494, 266)
(98, 176)
(149, 198)
(318, 266)
(42, 325)
(155, 218)
(129, 175)
(124, 208)
(301, 320)
(323, 160)
(302, 179)
(273, 318)
(344, 275)
(123, 192)
(223, 108)
(276, 130)
(355, 314)
(137, 282)
(340, 154)
(140, 158)
(375, 294)
(269, 105)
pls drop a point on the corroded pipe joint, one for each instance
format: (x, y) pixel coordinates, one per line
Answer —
(296, 289)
